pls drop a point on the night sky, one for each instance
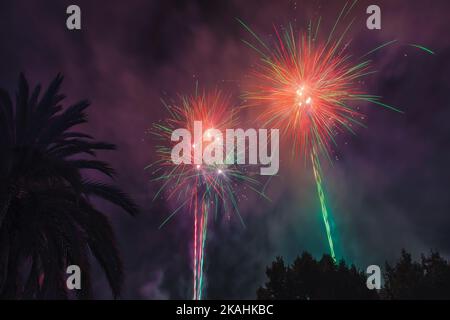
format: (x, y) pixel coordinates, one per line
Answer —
(388, 187)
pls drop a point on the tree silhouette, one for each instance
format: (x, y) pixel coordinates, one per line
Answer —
(47, 218)
(309, 279)
(407, 279)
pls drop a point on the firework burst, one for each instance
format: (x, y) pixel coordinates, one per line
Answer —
(311, 89)
(200, 189)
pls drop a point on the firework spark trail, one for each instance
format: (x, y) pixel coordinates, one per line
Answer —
(200, 234)
(310, 88)
(203, 232)
(318, 178)
(199, 188)
(195, 252)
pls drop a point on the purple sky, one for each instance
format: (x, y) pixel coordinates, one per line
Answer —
(388, 189)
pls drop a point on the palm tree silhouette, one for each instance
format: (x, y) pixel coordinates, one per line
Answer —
(47, 219)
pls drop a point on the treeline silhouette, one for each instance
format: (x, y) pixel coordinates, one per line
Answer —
(310, 279)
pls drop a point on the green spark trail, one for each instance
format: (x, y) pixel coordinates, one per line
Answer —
(325, 216)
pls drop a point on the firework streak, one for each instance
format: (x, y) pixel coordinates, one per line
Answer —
(310, 87)
(199, 189)
(326, 220)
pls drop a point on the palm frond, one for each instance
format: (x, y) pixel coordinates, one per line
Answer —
(111, 194)
(46, 219)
